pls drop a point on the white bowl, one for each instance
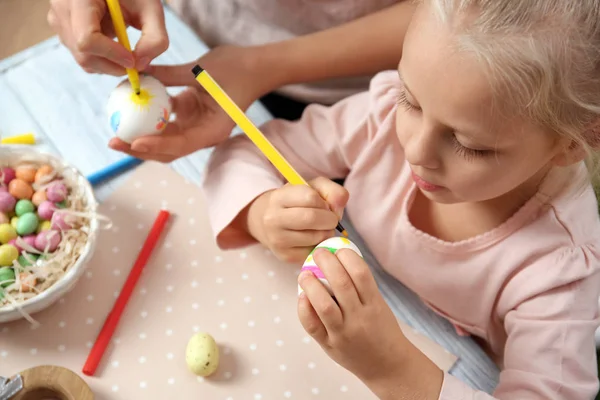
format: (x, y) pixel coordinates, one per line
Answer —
(14, 155)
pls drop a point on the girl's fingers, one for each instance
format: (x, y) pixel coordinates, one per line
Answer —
(310, 320)
(291, 196)
(304, 218)
(341, 283)
(285, 238)
(360, 274)
(324, 305)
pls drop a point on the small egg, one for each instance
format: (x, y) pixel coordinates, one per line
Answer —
(28, 281)
(27, 223)
(7, 233)
(4, 218)
(61, 221)
(56, 192)
(20, 189)
(44, 226)
(47, 241)
(7, 202)
(39, 197)
(26, 173)
(29, 239)
(27, 259)
(14, 221)
(24, 206)
(8, 254)
(3, 188)
(61, 204)
(44, 174)
(7, 276)
(202, 354)
(46, 210)
(7, 174)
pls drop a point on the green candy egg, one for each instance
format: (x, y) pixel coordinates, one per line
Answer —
(24, 206)
(7, 274)
(27, 223)
(25, 262)
(62, 204)
(8, 254)
(7, 233)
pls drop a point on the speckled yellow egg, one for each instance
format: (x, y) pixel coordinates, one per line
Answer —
(202, 354)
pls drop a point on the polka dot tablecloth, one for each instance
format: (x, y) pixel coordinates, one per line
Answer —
(245, 299)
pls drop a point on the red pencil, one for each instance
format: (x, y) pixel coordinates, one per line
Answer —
(112, 319)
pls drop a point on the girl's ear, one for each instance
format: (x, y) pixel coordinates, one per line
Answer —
(576, 151)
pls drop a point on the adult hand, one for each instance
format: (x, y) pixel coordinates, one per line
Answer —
(199, 121)
(292, 220)
(86, 29)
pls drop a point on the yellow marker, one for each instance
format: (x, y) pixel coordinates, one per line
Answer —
(263, 144)
(121, 30)
(26, 138)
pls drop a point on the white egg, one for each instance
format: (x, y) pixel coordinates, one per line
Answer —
(332, 244)
(131, 115)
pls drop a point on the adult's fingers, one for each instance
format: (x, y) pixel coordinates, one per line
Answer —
(154, 39)
(340, 281)
(310, 320)
(173, 75)
(118, 145)
(94, 64)
(88, 38)
(172, 141)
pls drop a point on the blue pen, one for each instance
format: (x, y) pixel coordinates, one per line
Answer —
(114, 169)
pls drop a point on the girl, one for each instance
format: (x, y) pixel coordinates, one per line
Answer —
(465, 177)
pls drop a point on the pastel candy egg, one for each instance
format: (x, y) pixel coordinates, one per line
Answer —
(28, 281)
(56, 192)
(7, 233)
(7, 174)
(131, 115)
(4, 218)
(47, 241)
(61, 204)
(46, 210)
(3, 189)
(44, 174)
(39, 197)
(14, 221)
(44, 226)
(7, 276)
(332, 245)
(7, 202)
(26, 173)
(20, 189)
(202, 354)
(27, 259)
(27, 223)
(62, 221)
(24, 206)
(8, 254)
(29, 239)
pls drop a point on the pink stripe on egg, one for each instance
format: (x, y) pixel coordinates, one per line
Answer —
(315, 270)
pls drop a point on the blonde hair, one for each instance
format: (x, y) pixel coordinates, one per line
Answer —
(543, 54)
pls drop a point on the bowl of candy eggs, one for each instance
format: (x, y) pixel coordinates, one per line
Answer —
(48, 230)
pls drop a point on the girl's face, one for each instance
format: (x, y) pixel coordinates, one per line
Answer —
(458, 144)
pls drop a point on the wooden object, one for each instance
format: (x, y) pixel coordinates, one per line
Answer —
(53, 382)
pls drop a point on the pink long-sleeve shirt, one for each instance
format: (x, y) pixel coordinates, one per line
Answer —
(529, 287)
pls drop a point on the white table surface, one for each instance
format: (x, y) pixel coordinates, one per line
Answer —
(42, 90)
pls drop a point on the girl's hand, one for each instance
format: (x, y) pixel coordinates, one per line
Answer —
(292, 220)
(358, 330)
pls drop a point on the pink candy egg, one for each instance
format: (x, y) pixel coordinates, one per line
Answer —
(7, 202)
(56, 192)
(47, 241)
(3, 189)
(7, 174)
(61, 221)
(46, 210)
(29, 239)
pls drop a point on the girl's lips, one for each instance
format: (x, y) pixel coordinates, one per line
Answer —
(423, 184)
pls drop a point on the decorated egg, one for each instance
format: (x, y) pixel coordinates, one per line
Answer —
(333, 245)
(132, 115)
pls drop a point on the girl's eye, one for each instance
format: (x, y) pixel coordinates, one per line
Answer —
(467, 152)
(403, 101)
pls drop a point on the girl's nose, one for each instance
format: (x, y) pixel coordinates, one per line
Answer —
(422, 149)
